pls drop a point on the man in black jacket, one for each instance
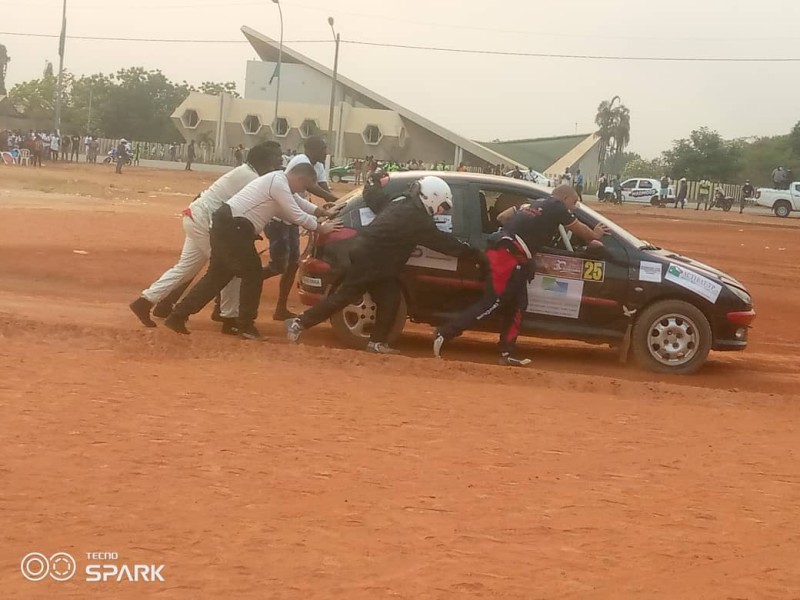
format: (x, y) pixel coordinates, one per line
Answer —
(381, 251)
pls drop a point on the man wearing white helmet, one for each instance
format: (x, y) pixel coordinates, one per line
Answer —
(382, 249)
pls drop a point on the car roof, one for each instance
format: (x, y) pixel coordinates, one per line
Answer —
(478, 178)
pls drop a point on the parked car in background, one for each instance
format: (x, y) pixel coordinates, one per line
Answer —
(346, 173)
(782, 202)
(533, 177)
(671, 309)
(643, 190)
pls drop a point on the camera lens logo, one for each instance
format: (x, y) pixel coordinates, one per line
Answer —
(36, 566)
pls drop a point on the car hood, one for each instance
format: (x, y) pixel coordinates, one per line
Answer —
(701, 268)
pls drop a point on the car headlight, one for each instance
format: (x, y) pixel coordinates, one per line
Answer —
(741, 294)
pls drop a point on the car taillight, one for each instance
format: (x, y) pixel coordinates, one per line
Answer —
(342, 234)
(742, 317)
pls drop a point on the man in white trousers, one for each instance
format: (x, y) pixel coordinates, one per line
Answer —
(261, 160)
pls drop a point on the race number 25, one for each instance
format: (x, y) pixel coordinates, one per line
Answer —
(594, 270)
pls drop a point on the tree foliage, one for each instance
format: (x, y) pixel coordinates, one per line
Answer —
(613, 120)
(704, 155)
(133, 102)
(4, 60)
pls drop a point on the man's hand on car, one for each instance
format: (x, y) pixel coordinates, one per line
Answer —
(600, 230)
(329, 227)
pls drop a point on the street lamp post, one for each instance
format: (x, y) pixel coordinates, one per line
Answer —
(61, 43)
(333, 88)
(278, 70)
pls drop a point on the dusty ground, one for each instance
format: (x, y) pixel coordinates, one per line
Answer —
(270, 471)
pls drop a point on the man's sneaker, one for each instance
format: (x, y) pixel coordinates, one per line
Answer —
(249, 332)
(293, 330)
(438, 342)
(380, 348)
(283, 314)
(510, 360)
(176, 323)
(230, 327)
(141, 308)
(162, 310)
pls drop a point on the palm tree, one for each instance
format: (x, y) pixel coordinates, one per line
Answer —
(613, 120)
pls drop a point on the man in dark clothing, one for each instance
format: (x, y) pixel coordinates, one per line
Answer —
(747, 192)
(238, 155)
(683, 192)
(511, 267)
(190, 156)
(382, 249)
(122, 154)
(76, 146)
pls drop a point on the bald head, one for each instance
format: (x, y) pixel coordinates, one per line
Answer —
(566, 195)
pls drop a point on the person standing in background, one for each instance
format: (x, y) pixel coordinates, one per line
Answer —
(76, 148)
(190, 156)
(579, 184)
(66, 145)
(683, 191)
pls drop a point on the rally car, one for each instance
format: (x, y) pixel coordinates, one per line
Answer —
(669, 311)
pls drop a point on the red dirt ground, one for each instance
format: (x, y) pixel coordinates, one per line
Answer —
(271, 471)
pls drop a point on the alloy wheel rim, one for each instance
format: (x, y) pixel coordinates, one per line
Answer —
(673, 339)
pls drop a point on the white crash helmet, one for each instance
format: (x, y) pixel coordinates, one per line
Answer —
(435, 193)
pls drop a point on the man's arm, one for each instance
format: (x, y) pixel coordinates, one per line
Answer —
(318, 191)
(585, 233)
(444, 242)
(288, 210)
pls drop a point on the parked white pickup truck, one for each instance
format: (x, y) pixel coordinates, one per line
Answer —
(782, 202)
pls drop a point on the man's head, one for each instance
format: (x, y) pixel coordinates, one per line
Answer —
(265, 157)
(435, 194)
(316, 149)
(301, 177)
(567, 195)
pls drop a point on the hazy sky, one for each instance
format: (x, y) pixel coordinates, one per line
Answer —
(480, 96)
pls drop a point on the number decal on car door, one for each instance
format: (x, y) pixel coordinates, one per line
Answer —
(594, 270)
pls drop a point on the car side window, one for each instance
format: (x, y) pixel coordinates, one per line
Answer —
(797, 187)
(644, 184)
(493, 202)
(630, 184)
(458, 215)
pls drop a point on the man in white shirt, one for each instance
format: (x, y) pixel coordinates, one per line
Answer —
(284, 238)
(261, 160)
(235, 227)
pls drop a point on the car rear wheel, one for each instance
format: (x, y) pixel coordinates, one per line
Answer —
(336, 178)
(354, 324)
(782, 208)
(671, 336)
(654, 201)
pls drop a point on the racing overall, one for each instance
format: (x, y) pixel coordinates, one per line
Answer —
(511, 267)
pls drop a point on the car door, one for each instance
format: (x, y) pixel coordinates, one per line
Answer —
(579, 292)
(644, 191)
(628, 188)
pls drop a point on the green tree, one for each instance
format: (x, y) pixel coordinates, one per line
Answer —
(613, 120)
(617, 164)
(35, 98)
(704, 154)
(4, 60)
(794, 139)
(210, 87)
(640, 167)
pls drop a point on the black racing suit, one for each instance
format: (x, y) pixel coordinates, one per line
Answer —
(378, 256)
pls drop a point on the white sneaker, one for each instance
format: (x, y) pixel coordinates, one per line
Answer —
(380, 348)
(293, 330)
(438, 342)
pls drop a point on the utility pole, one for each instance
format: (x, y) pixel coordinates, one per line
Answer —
(278, 68)
(332, 141)
(61, 43)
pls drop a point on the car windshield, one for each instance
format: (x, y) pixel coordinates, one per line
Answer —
(616, 229)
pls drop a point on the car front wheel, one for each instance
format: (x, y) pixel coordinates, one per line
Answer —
(354, 323)
(336, 178)
(671, 336)
(782, 208)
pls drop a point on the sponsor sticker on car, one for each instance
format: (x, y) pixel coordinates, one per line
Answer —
(571, 268)
(694, 282)
(555, 296)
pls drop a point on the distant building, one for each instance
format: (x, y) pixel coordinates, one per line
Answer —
(364, 122)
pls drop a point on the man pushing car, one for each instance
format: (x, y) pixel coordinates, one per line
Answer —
(511, 267)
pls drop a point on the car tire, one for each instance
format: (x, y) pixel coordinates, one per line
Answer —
(353, 323)
(654, 201)
(672, 337)
(782, 209)
(336, 179)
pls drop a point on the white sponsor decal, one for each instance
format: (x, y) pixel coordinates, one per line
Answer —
(556, 296)
(425, 257)
(650, 271)
(702, 286)
(366, 216)
(312, 281)
(444, 223)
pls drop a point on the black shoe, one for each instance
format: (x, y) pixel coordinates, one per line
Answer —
(141, 308)
(162, 310)
(230, 327)
(283, 314)
(176, 323)
(510, 360)
(249, 332)
(217, 315)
